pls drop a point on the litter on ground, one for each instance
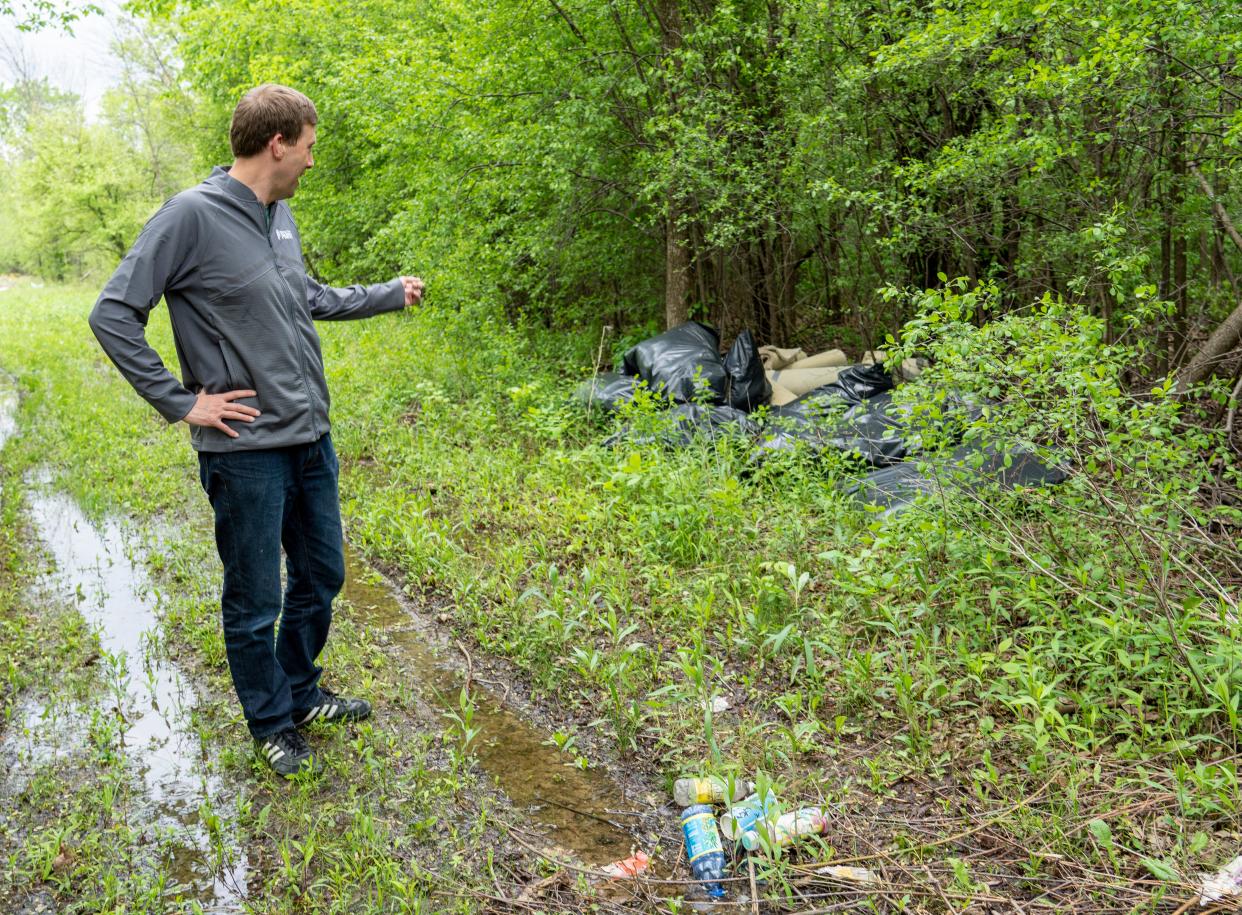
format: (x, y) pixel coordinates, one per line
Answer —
(784, 400)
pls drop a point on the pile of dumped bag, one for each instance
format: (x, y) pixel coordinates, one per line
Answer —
(819, 402)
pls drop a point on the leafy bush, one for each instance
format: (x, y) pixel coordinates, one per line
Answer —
(1086, 608)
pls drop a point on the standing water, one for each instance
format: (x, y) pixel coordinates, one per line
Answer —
(580, 808)
(177, 787)
(8, 410)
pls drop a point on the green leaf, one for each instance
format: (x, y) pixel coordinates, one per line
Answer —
(1160, 870)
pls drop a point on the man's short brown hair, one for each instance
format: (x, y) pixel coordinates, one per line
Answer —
(268, 110)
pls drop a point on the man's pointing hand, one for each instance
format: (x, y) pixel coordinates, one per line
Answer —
(213, 409)
(413, 287)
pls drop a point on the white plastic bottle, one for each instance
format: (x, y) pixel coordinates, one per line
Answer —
(741, 816)
(711, 790)
(809, 821)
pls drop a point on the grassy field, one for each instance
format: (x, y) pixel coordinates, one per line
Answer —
(400, 822)
(1026, 700)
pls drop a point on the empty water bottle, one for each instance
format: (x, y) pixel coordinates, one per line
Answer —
(741, 817)
(703, 848)
(711, 790)
(809, 821)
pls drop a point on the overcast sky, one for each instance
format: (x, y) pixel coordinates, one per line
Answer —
(81, 62)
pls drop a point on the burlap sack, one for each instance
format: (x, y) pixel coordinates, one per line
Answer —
(907, 371)
(781, 396)
(800, 381)
(775, 358)
(827, 359)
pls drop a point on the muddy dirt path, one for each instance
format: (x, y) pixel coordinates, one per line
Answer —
(8, 410)
(582, 811)
(177, 785)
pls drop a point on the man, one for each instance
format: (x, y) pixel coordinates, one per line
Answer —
(226, 257)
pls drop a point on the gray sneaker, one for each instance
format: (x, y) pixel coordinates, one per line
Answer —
(287, 753)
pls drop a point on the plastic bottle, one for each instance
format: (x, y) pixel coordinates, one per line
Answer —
(703, 848)
(741, 817)
(809, 821)
(1227, 882)
(712, 790)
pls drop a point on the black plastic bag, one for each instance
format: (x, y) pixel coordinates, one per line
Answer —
(878, 430)
(813, 407)
(854, 385)
(875, 430)
(670, 362)
(967, 468)
(680, 426)
(748, 383)
(857, 383)
(607, 391)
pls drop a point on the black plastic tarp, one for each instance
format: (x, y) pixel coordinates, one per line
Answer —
(681, 425)
(968, 468)
(683, 363)
(607, 391)
(874, 429)
(855, 384)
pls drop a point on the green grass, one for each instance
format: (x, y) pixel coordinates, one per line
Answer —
(399, 823)
(1034, 693)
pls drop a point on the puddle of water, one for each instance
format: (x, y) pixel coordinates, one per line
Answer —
(37, 736)
(8, 411)
(571, 803)
(94, 564)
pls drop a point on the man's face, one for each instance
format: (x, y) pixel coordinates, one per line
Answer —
(297, 158)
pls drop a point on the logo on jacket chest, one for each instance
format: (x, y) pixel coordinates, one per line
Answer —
(284, 235)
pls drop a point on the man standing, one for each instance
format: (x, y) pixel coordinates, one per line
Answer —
(227, 258)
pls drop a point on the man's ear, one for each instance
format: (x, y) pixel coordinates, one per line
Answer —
(277, 145)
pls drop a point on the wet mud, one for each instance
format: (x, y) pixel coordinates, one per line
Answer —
(582, 811)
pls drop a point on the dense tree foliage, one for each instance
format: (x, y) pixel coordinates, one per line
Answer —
(773, 164)
(782, 165)
(75, 192)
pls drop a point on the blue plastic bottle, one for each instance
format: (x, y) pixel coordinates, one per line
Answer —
(703, 847)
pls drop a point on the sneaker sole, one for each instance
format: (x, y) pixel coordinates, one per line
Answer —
(315, 715)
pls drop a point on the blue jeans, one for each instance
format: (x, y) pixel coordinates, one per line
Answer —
(264, 500)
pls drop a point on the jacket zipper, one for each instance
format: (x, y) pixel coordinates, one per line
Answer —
(293, 323)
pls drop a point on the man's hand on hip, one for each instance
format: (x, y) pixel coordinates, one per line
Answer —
(213, 409)
(413, 290)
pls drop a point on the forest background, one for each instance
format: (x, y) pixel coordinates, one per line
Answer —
(770, 165)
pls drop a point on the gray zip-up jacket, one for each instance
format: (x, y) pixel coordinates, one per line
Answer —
(242, 310)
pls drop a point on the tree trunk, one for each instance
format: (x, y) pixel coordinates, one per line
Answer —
(1220, 345)
(1166, 280)
(1226, 337)
(1177, 330)
(676, 238)
(676, 272)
